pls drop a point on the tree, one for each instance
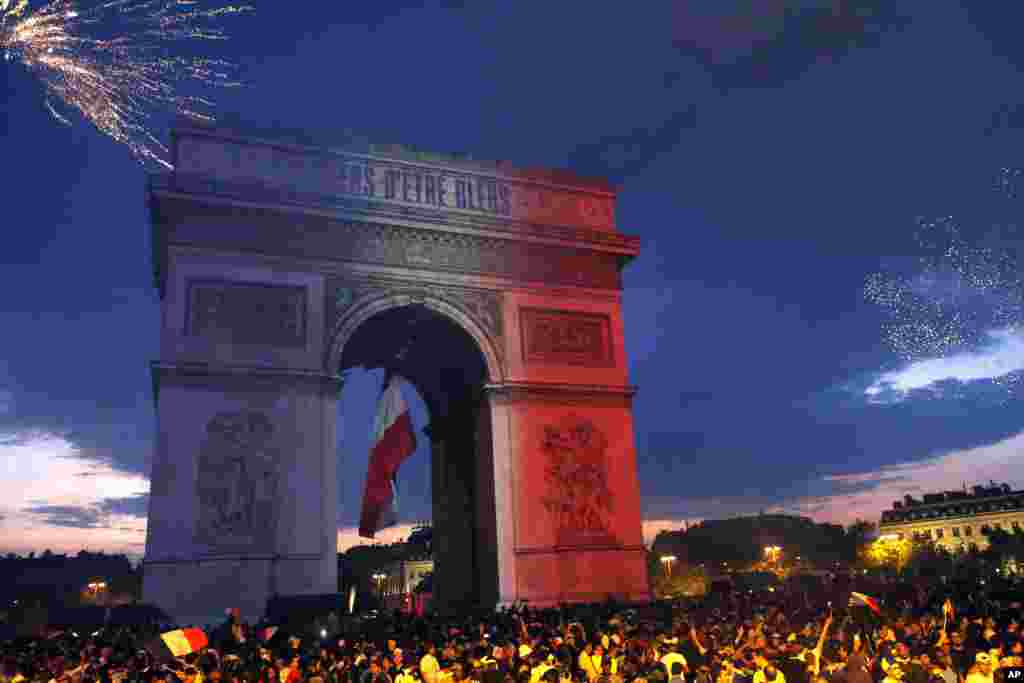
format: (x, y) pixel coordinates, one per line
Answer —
(858, 536)
(887, 553)
(928, 560)
(1005, 549)
(425, 584)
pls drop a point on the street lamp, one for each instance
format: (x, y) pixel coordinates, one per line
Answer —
(667, 560)
(772, 552)
(96, 591)
(379, 578)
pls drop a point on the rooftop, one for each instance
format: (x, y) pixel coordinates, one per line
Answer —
(976, 492)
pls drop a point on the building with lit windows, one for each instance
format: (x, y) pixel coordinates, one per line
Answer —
(404, 575)
(956, 520)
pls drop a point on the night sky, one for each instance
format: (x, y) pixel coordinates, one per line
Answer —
(772, 156)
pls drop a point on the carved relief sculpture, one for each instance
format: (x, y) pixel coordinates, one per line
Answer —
(341, 295)
(237, 481)
(578, 496)
(485, 307)
(566, 337)
(248, 313)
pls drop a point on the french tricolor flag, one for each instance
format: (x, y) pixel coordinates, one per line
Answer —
(393, 442)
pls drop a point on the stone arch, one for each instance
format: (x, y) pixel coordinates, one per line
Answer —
(468, 563)
(370, 305)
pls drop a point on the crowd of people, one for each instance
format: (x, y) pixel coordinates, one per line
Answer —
(780, 637)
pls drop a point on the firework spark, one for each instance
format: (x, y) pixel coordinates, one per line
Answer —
(120, 63)
(959, 315)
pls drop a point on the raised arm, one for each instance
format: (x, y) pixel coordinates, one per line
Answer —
(821, 644)
(696, 641)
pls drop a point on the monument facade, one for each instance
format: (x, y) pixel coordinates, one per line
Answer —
(495, 290)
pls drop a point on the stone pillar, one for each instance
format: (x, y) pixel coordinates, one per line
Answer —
(453, 477)
(576, 508)
(239, 491)
(486, 532)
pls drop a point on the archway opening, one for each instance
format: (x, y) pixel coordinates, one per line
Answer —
(446, 372)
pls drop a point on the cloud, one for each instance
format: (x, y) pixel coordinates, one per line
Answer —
(134, 506)
(865, 495)
(348, 537)
(59, 496)
(765, 43)
(74, 516)
(1001, 357)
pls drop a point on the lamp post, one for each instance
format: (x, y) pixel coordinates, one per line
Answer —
(96, 590)
(667, 561)
(379, 578)
(772, 553)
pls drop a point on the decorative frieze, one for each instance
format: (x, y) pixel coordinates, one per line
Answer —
(482, 306)
(579, 497)
(393, 245)
(247, 313)
(566, 337)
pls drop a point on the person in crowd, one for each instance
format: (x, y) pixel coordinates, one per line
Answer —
(429, 666)
(767, 638)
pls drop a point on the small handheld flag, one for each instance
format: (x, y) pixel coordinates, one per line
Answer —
(178, 643)
(948, 613)
(861, 600)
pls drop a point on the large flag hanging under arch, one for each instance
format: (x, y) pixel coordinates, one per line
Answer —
(393, 442)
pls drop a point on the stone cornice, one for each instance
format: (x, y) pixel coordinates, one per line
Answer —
(946, 520)
(187, 370)
(558, 549)
(398, 276)
(216, 192)
(559, 392)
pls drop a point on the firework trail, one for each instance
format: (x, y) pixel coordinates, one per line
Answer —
(120, 63)
(962, 296)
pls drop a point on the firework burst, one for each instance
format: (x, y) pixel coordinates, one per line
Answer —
(960, 310)
(120, 63)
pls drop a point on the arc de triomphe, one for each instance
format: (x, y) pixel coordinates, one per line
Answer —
(497, 291)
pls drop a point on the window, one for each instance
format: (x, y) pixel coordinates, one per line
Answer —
(956, 532)
(1016, 525)
(938, 533)
(967, 531)
(985, 528)
(999, 525)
